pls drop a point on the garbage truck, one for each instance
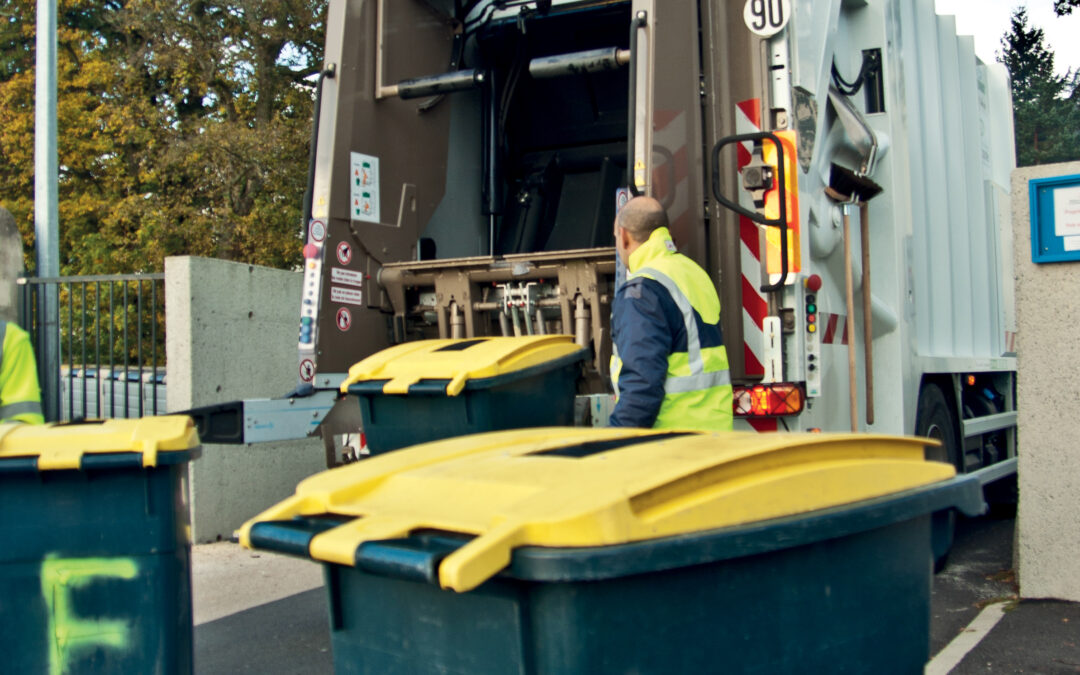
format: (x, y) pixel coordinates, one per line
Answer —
(839, 167)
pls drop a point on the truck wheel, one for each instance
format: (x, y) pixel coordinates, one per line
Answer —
(933, 419)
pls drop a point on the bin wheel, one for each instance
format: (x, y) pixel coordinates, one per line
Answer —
(933, 419)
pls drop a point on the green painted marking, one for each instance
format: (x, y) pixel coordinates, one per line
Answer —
(67, 631)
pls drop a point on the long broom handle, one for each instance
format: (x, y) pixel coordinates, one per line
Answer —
(850, 323)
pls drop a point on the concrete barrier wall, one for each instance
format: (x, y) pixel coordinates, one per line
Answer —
(231, 334)
(1048, 397)
(11, 265)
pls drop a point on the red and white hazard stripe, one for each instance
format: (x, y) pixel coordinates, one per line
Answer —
(755, 307)
(670, 133)
(833, 329)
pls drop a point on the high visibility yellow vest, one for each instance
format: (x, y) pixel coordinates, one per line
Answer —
(20, 397)
(697, 391)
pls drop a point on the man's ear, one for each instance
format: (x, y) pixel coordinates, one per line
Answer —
(625, 240)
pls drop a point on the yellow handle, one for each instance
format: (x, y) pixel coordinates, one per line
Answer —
(480, 559)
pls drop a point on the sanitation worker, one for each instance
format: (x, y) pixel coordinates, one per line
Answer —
(20, 397)
(669, 366)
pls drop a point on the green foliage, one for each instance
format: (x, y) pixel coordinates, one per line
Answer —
(183, 128)
(1046, 106)
(1063, 7)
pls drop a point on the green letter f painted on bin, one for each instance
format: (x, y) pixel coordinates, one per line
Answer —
(67, 632)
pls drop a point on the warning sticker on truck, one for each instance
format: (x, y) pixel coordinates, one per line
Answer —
(343, 319)
(347, 277)
(346, 296)
(364, 187)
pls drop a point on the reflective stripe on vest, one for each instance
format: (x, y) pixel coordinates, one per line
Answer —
(698, 379)
(24, 408)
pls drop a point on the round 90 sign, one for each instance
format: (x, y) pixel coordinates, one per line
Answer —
(766, 18)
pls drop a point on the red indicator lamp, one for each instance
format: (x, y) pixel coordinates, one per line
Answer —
(768, 400)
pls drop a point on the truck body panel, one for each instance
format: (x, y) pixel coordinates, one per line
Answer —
(462, 190)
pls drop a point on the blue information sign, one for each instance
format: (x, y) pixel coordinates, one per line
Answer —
(1055, 219)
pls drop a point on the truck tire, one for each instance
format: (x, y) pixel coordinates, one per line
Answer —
(934, 419)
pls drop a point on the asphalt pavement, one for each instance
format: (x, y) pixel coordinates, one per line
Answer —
(975, 605)
(264, 613)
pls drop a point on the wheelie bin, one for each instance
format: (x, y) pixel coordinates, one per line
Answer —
(427, 390)
(95, 552)
(613, 550)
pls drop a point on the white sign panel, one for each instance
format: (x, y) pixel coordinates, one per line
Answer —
(1067, 212)
(766, 18)
(1072, 243)
(347, 277)
(346, 296)
(364, 187)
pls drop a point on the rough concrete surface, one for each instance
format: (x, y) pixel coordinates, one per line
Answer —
(11, 265)
(1048, 384)
(232, 335)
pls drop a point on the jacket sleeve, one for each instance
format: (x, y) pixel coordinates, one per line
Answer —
(20, 397)
(644, 341)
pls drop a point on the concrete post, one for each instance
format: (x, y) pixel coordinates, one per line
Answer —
(231, 334)
(11, 265)
(1048, 382)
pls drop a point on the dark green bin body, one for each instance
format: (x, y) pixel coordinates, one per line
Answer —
(538, 396)
(845, 590)
(114, 539)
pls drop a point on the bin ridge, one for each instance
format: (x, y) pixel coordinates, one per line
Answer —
(154, 438)
(514, 489)
(457, 360)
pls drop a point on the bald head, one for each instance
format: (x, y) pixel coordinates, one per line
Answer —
(640, 216)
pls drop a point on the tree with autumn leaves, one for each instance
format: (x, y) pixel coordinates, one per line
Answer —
(183, 128)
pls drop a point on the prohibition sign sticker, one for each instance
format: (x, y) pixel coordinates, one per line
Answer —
(318, 231)
(344, 319)
(344, 253)
(307, 370)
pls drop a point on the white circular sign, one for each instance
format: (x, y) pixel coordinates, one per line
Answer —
(766, 18)
(318, 231)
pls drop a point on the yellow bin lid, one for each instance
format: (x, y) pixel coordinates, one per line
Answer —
(458, 360)
(161, 440)
(571, 487)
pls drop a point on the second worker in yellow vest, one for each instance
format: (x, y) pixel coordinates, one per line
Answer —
(669, 367)
(20, 397)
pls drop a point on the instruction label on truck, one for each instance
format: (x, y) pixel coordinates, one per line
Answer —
(339, 275)
(346, 296)
(364, 187)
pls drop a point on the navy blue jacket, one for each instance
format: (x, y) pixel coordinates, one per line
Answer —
(647, 327)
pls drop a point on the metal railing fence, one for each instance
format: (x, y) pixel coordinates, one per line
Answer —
(112, 344)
